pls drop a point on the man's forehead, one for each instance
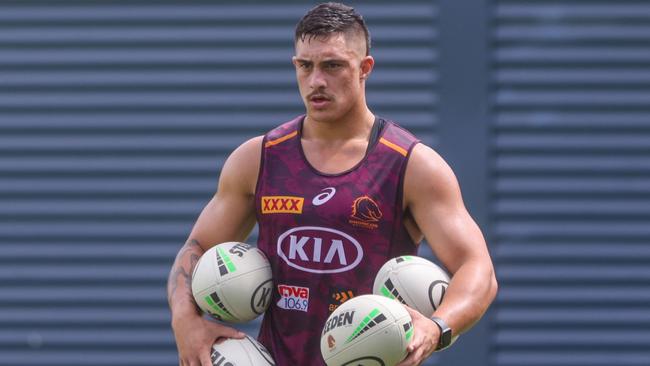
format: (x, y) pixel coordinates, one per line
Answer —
(333, 45)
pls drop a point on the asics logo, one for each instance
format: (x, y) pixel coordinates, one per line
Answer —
(321, 198)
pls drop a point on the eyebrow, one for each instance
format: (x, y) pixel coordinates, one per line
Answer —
(329, 60)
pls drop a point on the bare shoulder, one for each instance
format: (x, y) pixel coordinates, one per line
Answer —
(433, 197)
(429, 176)
(232, 205)
(242, 166)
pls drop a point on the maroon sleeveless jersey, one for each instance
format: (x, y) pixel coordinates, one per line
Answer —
(326, 235)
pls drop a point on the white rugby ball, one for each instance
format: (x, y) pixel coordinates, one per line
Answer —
(367, 330)
(414, 281)
(240, 352)
(232, 282)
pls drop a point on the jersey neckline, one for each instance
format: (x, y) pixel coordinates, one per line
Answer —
(369, 150)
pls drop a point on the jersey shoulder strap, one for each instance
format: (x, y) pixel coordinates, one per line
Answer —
(282, 133)
(398, 139)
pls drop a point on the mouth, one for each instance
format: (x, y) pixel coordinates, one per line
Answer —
(319, 101)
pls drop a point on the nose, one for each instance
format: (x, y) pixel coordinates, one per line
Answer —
(317, 79)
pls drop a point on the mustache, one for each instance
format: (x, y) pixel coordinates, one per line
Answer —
(319, 95)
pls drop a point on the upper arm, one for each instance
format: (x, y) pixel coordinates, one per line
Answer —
(230, 214)
(432, 194)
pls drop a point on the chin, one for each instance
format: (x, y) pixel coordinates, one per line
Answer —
(326, 116)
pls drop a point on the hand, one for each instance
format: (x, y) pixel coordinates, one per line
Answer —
(195, 336)
(425, 339)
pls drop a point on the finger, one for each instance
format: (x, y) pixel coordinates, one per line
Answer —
(414, 358)
(206, 359)
(412, 312)
(408, 361)
(228, 332)
(409, 356)
(411, 347)
(415, 343)
(408, 308)
(403, 363)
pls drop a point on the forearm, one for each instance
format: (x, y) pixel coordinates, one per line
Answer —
(179, 283)
(471, 291)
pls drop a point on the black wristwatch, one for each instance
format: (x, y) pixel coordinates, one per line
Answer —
(445, 333)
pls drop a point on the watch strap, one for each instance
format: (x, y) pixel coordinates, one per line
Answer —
(445, 333)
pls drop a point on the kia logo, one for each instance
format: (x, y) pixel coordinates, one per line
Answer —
(319, 250)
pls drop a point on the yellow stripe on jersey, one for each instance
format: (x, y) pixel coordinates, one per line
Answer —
(399, 149)
(280, 139)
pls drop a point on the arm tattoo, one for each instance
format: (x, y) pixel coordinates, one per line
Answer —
(194, 259)
(180, 271)
(173, 280)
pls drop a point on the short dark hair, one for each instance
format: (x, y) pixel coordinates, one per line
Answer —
(326, 19)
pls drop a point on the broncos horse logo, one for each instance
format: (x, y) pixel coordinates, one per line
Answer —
(365, 209)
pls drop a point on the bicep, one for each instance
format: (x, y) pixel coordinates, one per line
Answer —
(433, 196)
(230, 214)
(224, 220)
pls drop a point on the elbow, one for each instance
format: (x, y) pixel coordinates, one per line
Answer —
(494, 287)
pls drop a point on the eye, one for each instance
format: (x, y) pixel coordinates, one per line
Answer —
(333, 65)
(304, 65)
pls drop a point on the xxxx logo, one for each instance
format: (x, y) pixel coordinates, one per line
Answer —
(282, 204)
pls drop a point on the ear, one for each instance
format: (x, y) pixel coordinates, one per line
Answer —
(367, 64)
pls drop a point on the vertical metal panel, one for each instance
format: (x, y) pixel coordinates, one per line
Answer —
(571, 185)
(115, 118)
(464, 135)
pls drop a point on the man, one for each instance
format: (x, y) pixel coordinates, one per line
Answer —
(336, 193)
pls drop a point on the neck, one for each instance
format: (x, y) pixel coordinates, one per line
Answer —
(353, 126)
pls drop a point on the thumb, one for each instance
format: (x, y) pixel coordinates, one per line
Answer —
(412, 312)
(229, 332)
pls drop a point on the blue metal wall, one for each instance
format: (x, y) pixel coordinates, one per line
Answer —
(115, 118)
(571, 182)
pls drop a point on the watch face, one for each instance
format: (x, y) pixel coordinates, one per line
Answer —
(445, 338)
